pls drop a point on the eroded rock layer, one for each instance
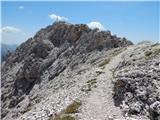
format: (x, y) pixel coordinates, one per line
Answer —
(65, 63)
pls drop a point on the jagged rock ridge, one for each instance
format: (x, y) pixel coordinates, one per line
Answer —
(54, 60)
(60, 40)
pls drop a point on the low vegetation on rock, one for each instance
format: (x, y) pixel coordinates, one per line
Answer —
(90, 84)
(137, 87)
(73, 107)
(104, 62)
(65, 62)
(65, 114)
(65, 117)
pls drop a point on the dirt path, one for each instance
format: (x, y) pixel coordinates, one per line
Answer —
(99, 105)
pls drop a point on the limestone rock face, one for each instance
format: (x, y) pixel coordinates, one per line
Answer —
(137, 81)
(61, 57)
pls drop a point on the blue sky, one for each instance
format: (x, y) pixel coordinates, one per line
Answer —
(136, 21)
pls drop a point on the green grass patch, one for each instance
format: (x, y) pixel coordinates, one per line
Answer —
(65, 114)
(157, 51)
(90, 84)
(73, 107)
(60, 117)
(148, 53)
(118, 51)
(86, 89)
(104, 62)
(92, 81)
(64, 117)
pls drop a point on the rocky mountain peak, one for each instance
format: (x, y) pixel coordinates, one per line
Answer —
(54, 50)
(79, 35)
(61, 35)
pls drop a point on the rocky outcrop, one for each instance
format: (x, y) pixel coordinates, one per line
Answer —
(51, 51)
(65, 63)
(137, 84)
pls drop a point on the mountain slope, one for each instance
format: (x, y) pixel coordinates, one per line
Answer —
(65, 68)
(6, 49)
(137, 83)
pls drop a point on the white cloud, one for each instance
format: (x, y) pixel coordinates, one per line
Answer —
(94, 25)
(10, 29)
(13, 35)
(20, 7)
(57, 18)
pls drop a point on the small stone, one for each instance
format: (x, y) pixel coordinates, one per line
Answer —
(135, 108)
(155, 107)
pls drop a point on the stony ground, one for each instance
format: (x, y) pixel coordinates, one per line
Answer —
(92, 85)
(51, 78)
(137, 83)
(99, 105)
(50, 59)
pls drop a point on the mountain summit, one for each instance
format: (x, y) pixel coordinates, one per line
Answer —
(68, 68)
